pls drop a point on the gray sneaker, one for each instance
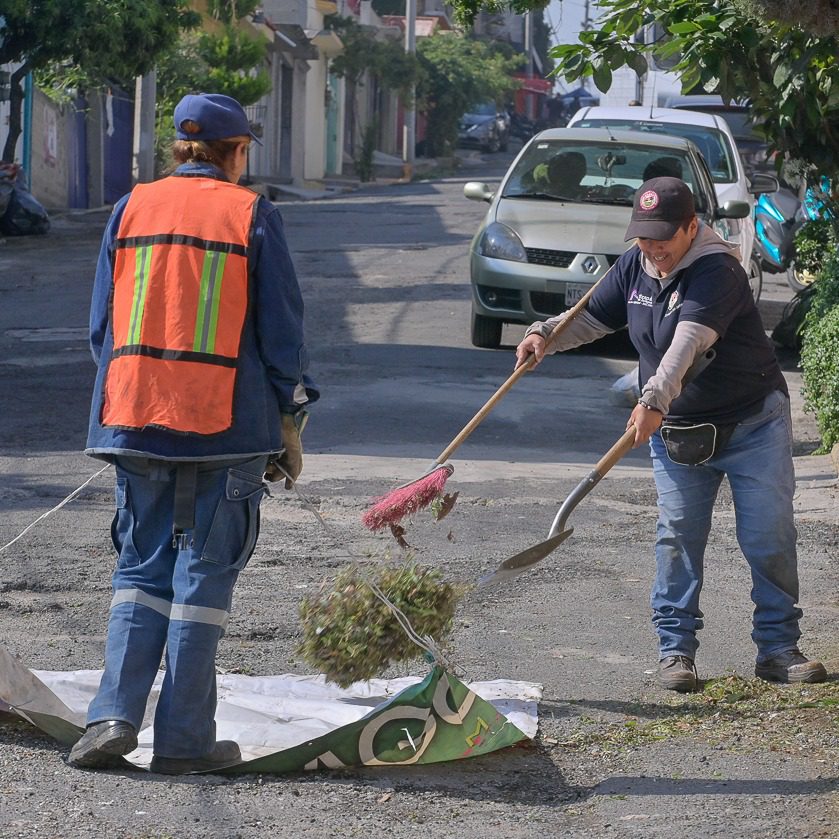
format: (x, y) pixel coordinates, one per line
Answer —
(103, 744)
(792, 667)
(678, 672)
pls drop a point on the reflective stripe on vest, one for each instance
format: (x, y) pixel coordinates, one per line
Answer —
(180, 298)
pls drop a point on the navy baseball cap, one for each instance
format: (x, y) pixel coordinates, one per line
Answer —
(218, 117)
(660, 208)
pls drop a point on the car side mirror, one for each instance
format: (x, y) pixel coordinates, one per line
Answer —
(762, 182)
(733, 209)
(477, 191)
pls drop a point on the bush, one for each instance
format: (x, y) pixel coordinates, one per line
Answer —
(813, 240)
(819, 358)
(820, 362)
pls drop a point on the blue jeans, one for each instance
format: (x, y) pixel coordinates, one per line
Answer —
(758, 464)
(175, 598)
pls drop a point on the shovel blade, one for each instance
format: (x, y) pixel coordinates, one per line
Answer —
(522, 561)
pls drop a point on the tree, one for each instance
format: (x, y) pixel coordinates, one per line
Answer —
(820, 17)
(365, 55)
(455, 74)
(220, 59)
(465, 11)
(790, 77)
(112, 40)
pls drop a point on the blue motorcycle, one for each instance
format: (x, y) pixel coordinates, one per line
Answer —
(778, 216)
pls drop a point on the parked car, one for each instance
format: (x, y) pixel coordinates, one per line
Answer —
(714, 138)
(486, 126)
(751, 145)
(544, 242)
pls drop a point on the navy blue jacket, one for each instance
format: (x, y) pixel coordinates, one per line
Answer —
(271, 374)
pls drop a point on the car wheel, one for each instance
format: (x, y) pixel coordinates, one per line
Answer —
(755, 277)
(798, 279)
(486, 332)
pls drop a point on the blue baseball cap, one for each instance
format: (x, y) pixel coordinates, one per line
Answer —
(218, 117)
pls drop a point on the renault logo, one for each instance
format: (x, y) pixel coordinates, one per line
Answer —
(589, 265)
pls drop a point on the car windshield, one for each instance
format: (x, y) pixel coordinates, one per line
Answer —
(487, 109)
(711, 142)
(596, 173)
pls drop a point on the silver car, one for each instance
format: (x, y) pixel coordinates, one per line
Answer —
(557, 221)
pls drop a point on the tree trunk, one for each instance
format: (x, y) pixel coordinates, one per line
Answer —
(16, 98)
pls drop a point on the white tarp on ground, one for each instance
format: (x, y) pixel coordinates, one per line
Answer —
(273, 715)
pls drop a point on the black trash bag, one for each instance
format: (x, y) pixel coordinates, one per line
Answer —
(24, 215)
(788, 331)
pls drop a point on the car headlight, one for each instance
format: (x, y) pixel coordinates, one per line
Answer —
(500, 242)
(480, 128)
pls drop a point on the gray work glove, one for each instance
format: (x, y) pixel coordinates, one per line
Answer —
(289, 463)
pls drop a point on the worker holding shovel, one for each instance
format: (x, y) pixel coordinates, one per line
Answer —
(680, 291)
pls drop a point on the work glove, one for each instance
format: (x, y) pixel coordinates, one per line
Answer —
(289, 463)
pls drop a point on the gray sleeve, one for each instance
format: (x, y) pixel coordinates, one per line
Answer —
(690, 340)
(584, 329)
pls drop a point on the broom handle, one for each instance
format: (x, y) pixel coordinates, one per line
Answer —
(515, 376)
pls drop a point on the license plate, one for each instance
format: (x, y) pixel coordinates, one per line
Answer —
(574, 293)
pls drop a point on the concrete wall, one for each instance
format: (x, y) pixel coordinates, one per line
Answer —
(51, 126)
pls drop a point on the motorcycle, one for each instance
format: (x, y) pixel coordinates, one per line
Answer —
(778, 217)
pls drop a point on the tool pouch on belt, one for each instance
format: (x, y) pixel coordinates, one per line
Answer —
(690, 444)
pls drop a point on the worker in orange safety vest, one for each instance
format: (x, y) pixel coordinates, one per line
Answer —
(196, 326)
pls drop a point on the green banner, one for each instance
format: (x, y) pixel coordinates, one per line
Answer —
(437, 720)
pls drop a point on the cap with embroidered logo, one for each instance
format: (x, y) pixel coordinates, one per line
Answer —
(660, 208)
(216, 116)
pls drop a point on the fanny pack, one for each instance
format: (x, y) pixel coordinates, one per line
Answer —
(690, 444)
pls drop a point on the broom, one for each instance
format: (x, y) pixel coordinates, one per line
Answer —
(389, 509)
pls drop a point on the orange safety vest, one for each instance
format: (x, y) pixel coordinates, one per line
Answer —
(180, 297)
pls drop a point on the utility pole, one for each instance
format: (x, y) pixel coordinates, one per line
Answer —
(409, 129)
(145, 97)
(528, 50)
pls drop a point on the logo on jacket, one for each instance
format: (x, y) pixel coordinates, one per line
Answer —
(638, 299)
(673, 303)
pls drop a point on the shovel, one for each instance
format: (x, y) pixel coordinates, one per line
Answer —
(558, 532)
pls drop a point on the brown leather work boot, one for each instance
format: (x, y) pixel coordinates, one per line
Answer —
(678, 672)
(792, 667)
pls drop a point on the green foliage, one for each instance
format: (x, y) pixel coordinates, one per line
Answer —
(229, 11)
(820, 364)
(233, 64)
(465, 11)
(820, 339)
(790, 76)
(228, 62)
(363, 53)
(110, 39)
(85, 42)
(821, 17)
(456, 74)
(813, 241)
(364, 163)
(350, 635)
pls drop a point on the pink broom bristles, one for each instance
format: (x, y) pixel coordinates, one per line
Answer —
(391, 508)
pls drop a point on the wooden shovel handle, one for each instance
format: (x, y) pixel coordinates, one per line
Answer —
(516, 375)
(623, 445)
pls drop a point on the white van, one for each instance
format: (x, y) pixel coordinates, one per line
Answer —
(711, 134)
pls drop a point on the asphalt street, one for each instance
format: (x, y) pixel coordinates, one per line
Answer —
(384, 271)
